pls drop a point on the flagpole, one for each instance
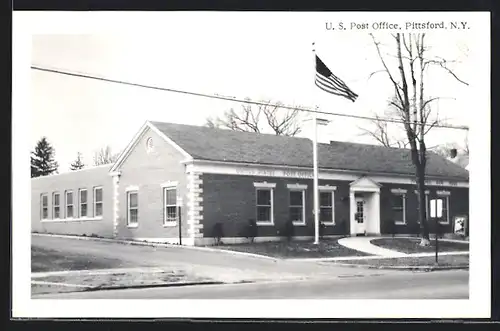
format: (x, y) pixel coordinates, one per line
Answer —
(315, 167)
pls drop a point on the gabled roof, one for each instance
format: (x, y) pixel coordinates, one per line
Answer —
(204, 143)
(147, 125)
(365, 181)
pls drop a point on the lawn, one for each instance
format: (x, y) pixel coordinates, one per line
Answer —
(52, 260)
(295, 249)
(443, 261)
(411, 245)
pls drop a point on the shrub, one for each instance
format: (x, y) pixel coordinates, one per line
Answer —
(218, 232)
(288, 230)
(251, 230)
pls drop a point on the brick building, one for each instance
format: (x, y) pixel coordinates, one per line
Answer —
(228, 177)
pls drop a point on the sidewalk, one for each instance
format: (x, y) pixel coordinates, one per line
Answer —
(363, 244)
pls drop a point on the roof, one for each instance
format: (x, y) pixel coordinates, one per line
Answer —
(462, 160)
(204, 143)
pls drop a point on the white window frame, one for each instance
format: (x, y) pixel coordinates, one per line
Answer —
(270, 187)
(80, 203)
(42, 207)
(136, 224)
(95, 202)
(298, 188)
(332, 207)
(166, 221)
(403, 196)
(54, 205)
(66, 205)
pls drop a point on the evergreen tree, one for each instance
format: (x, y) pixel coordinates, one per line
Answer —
(42, 159)
(78, 163)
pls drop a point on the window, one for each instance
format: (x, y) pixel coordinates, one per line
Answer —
(44, 205)
(326, 209)
(69, 204)
(297, 210)
(265, 203)
(97, 201)
(83, 203)
(56, 205)
(133, 208)
(399, 208)
(440, 209)
(170, 204)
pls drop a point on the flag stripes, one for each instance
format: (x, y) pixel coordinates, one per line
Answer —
(330, 83)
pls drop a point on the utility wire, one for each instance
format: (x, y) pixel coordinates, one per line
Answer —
(234, 99)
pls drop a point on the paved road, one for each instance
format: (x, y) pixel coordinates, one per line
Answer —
(218, 265)
(399, 285)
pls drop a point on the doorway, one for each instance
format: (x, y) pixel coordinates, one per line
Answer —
(360, 216)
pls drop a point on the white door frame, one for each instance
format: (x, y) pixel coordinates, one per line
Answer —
(371, 208)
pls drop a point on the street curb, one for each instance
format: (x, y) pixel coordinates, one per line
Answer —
(431, 239)
(105, 288)
(155, 244)
(125, 287)
(404, 268)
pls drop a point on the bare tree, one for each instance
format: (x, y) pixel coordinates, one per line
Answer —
(380, 131)
(212, 123)
(466, 145)
(268, 116)
(413, 105)
(105, 156)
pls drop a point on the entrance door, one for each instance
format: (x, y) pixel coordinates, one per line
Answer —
(360, 216)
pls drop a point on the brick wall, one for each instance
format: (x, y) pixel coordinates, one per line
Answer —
(148, 171)
(458, 201)
(232, 200)
(75, 180)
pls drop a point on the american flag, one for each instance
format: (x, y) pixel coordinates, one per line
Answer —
(330, 83)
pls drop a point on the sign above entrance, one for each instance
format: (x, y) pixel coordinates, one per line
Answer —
(259, 170)
(275, 173)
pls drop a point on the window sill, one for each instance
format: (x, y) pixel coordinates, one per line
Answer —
(399, 223)
(329, 223)
(66, 220)
(169, 224)
(132, 226)
(265, 224)
(299, 224)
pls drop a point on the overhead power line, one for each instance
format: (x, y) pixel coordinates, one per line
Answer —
(234, 99)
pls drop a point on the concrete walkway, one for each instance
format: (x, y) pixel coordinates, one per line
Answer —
(363, 244)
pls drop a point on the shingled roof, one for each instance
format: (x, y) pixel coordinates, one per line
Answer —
(204, 143)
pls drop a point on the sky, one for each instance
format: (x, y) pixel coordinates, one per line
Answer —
(271, 60)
